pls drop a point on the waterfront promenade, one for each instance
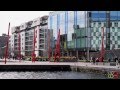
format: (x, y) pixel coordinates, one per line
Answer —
(72, 64)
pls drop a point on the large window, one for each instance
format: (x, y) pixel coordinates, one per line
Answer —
(98, 15)
(94, 15)
(81, 19)
(102, 15)
(70, 25)
(54, 26)
(118, 15)
(113, 15)
(62, 23)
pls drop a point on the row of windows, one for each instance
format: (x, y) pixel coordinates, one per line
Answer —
(100, 23)
(64, 18)
(115, 15)
(101, 15)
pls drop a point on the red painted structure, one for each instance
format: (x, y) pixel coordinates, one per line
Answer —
(6, 50)
(102, 53)
(57, 49)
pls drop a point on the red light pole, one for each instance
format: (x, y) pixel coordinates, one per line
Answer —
(6, 50)
(33, 52)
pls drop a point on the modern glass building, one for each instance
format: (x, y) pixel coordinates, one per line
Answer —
(82, 30)
(68, 22)
(65, 21)
(111, 22)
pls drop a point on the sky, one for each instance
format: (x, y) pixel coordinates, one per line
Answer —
(16, 18)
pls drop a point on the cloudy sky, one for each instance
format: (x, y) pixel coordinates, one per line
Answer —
(17, 17)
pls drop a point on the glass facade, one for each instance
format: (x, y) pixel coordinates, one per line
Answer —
(65, 21)
(114, 15)
(98, 15)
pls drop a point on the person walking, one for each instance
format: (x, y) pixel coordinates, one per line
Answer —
(116, 60)
(97, 60)
(93, 60)
(109, 60)
(119, 63)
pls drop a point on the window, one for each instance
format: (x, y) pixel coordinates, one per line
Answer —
(113, 15)
(118, 15)
(98, 15)
(111, 24)
(116, 33)
(93, 24)
(116, 42)
(116, 24)
(118, 37)
(104, 24)
(41, 46)
(99, 24)
(113, 37)
(42, 41)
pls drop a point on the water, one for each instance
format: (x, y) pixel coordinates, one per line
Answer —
(50, 75)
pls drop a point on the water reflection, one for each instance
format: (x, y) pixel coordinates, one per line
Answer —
(50, 75)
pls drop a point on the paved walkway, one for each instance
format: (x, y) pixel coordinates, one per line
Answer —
(17, 62)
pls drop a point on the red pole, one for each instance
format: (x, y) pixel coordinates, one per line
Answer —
(102, 48)
(19, 47)
(6, 50)
(57, 50)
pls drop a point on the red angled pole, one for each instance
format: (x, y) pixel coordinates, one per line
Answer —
(19, 47)
(102, 48)
(57, 49)
(6, 50)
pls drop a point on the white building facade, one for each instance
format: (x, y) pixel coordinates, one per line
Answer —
(26, 31)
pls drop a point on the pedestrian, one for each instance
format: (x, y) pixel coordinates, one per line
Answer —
(109, 60)
(119, 63)
(90, 59)
(93, 60)
(116, 60)
(97, 60)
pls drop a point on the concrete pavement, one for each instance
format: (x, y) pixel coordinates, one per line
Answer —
(85, 64)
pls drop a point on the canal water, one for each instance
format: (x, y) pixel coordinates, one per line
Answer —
(50, 75)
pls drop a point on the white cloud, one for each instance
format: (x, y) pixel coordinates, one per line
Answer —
(17, 17)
